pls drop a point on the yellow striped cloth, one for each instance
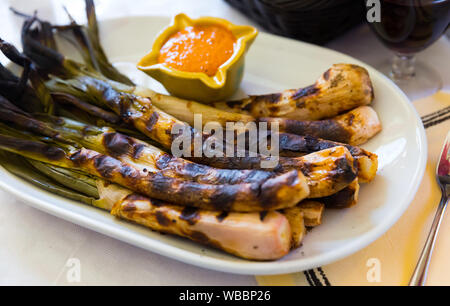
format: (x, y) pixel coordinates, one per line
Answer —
(391, 259)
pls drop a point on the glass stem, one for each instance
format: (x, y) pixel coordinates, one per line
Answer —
(403, 67)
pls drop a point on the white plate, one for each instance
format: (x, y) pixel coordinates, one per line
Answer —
(273, 64)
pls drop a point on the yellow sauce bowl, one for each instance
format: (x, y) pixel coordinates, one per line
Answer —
(199, 86)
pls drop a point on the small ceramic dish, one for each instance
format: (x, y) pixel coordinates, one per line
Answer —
(199, 86)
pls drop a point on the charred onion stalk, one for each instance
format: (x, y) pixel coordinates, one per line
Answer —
(339, 89)
(248, 235)
(84, 84)
(354, 127)
(294, 145)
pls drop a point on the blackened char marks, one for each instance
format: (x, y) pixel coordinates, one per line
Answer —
(162, 184)
(129, 173)
(194, 170)
(262, 215)
(303, 92)
(52, 153)
(137, 150)
(350, 119)
(163, 161)
(117, 144)
(335, 82)
(220, 217)
(291, 143)
(113, 98)
(125, 110)
(49, 152)
(136, 197)
(129, 207)
(328, 129)
(106, 166)
(314, 144)
(326, 75)
(244, 105)
(304, 144)
(190, 215)
(157, 203)
(269, 190)
(223, 198)
(306, 168)
(269, 98)
(152, 121)
(343, 172)
(79, 158)
(234, 104)
(162, 218)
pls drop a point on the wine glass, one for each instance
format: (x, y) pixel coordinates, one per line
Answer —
(408, 27)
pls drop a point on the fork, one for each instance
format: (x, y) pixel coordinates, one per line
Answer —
(443, 178)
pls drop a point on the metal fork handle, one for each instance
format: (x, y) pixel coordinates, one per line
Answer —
(420, 272)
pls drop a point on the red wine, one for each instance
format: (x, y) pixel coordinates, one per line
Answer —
(409, 26)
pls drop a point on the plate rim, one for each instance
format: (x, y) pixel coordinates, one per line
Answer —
(224, 265)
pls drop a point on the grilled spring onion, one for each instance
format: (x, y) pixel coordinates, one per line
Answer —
(347, 84)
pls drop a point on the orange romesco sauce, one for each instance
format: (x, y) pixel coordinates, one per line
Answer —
(198, 49)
